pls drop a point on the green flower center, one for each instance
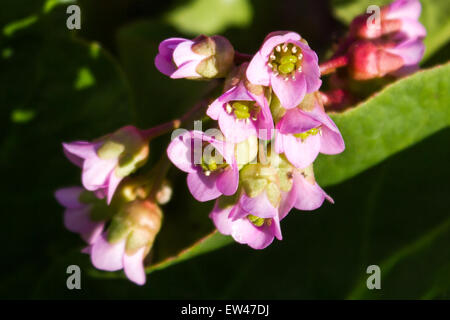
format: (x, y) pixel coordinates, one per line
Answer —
(285, 60)
(259, 222)
(212, 162)
(306, 134)
(243, 110)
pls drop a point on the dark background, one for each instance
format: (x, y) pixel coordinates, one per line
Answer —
(54, 88)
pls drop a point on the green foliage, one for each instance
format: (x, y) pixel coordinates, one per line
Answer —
(395, 118)
(210, 16)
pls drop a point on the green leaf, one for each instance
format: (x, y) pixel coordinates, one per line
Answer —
(210, 16)
(434, 17)
(399, 116)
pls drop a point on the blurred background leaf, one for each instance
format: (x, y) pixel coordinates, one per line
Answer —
(210, 16)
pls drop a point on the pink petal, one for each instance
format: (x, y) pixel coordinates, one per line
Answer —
(309, 196)
(258, 72)
(113, 183)
(411, 51)
(96, 172)
(133, 266)
(290, 92)
(245, 232)
(183, 53)
(203, 188)
(413, 29)
(220, 218)
(180, 152)
(235, 130)
(228, 180)
(295, 121)
(278, 37)
(187, 70)
(107, 256)
(404, 9)
(78, 151)
(288, 200)
(259, 206)
(331, 142)
(301, 153)
(69, 197)
(91, 236)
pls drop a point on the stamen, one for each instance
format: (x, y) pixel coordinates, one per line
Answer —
(278, 48)
(229, 108)
(294, 50)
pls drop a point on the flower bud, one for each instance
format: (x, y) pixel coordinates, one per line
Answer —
(106, 161)
(398, 19)
(201, 58)
(137, 223)
(376, 59)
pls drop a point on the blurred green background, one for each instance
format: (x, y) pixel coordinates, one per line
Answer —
(59, 85)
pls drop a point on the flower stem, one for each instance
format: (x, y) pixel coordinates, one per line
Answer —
(330, 66)
(242, 57)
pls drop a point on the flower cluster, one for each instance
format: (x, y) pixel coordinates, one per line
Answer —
(268, 126)
(272, 99)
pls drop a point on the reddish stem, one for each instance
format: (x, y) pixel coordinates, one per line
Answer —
(330, 66)
(242, 57)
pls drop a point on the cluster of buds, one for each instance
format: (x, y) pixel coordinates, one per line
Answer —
(113, 213)
(391, 46)
(256, 162)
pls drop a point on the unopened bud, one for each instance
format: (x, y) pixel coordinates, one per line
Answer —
(138, 222)
(371, 59)
(219, 55)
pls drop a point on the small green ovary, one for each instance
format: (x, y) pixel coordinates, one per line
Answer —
(257, 221)
(243, 109)
(306, 134)
(210, 164)
(286, 59)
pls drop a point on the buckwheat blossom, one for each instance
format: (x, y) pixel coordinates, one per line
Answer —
(210, 163)
(77, 214)
(202, 57)
(287, 64)
(242, 111)
(304, 132)
(106, 161)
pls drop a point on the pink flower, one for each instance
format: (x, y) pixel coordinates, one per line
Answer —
(77, 216)
(287, 64)
(106, 161)
(129, 239)
(378, 58)
(302, 134)
(202, 57)
(255, 221)
(242, 111)
(210, 164)
(113, 257)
